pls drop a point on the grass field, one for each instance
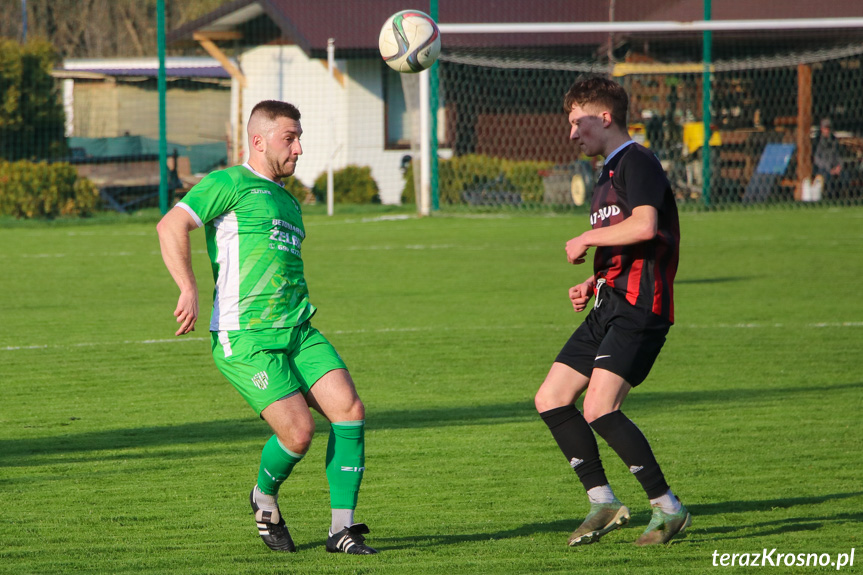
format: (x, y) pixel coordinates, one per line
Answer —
(122, 449)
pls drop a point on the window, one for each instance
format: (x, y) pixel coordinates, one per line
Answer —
(397, 123)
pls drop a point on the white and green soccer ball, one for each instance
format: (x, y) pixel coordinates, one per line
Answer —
(409, 41)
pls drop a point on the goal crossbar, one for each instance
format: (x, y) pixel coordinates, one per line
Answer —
(660, 26)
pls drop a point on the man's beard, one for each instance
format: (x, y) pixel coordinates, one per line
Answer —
(280, 170)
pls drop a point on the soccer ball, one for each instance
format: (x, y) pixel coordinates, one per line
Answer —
(409, 41)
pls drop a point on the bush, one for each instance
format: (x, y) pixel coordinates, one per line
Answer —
(465, 173)
(351, 185)
(409, 193)
(297, 189)
(33, 190)
(32, 121)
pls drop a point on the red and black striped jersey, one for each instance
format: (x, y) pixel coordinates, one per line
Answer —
(644, 272)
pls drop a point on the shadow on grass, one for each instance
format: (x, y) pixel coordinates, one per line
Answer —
(802, 523)
(695, 534)
(730, 279)
(30, 451)
(562, 526)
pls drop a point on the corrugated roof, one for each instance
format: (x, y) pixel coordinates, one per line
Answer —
(217, 72)
(355, 25)
(175, 67)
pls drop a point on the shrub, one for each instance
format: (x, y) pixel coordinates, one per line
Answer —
(32, 121)
(351, 185)
(470, 172)
(297, 189)
(409, 193)
(32, 190)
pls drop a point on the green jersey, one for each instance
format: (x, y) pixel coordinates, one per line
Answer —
(254, 230)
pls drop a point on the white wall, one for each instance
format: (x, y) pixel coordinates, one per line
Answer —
(355, 111)
(367, 135)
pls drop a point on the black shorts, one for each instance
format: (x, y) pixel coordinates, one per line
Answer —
(616, 336)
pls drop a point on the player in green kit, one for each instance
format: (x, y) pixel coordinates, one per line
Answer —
(262, 340)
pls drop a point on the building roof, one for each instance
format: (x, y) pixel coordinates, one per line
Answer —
(175, 67)
(355, 25)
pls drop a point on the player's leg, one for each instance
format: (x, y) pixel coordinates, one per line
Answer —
(330, 390)
(602, 404)
(335, 397)
(555, 402)
(602, 410)
(565, 382)
(258, 369)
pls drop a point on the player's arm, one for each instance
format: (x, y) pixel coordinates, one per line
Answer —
(639, 227)
(176, 248)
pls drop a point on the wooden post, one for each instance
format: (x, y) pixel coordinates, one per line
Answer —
(207, 42)
(804, 125)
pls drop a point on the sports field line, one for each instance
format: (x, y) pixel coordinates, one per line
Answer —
(364, 248)
(817, 325)
(88, 254)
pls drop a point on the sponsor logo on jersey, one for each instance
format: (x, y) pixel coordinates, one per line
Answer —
(261, 380)
(290, 226)
(259, 191)
(603, 214)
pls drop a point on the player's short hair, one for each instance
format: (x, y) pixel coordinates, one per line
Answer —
(274, 109)
(598, 91)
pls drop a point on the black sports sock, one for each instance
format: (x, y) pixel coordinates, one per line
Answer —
(578, 444)
(629, 443)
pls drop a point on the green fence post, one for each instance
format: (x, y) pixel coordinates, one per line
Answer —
(705, 146)
(164, 200)
(433, 106)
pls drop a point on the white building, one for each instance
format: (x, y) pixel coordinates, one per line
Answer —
(356, 116)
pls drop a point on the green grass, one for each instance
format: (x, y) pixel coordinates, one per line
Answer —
(122, 449)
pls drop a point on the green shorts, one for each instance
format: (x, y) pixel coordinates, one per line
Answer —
(266, 365)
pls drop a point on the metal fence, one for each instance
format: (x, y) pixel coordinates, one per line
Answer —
(785, 112)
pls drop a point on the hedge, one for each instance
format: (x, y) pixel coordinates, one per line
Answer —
(469, 172)
(33, 190)
(351, 185)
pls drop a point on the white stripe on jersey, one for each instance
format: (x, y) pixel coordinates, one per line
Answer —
(226, 343)
(191, 212)
(226, 304)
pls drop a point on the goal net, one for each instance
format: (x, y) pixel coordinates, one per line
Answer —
(784, 113)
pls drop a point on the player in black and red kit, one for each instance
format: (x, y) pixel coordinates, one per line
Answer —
(635, 231)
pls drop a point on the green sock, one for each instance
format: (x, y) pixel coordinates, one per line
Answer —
(346, 460)
(277, 461)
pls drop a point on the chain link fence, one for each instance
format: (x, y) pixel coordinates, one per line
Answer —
(786, 125)
(785, 112)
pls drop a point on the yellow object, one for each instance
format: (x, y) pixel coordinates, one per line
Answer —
(638, 132)
(693, 136)
(628, 68)
(577, 189)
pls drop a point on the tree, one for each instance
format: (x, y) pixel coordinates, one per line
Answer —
(32, 122)
(99, 28)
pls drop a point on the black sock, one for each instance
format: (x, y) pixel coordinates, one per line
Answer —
(629, 443)
(578, 444)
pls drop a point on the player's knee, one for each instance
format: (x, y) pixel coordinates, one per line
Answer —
(593, 411)
(539, 402)
(302, 439)
(543, 400)
(299, 437)
(356, 411)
